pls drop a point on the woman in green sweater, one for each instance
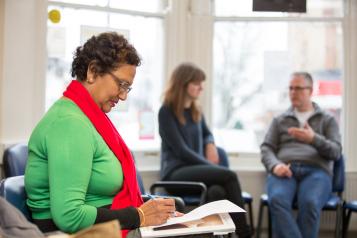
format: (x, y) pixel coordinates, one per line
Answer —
(80, 172)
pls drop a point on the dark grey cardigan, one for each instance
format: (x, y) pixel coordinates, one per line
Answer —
(181, 145)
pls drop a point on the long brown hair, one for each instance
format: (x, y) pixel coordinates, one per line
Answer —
(176, 90)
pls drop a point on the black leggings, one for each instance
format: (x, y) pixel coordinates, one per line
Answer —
(212, 175)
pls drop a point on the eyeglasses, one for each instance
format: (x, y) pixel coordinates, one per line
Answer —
(123, 86)
(298, 88)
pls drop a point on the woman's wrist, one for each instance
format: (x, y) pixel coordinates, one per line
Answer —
(141, 216)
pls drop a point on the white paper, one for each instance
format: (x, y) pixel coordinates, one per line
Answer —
(216, 207)
(221, 224)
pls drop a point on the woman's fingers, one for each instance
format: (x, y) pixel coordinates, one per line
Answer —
(162, 205)
(158, 211)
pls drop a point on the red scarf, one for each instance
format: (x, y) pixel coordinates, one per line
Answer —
(129, 195)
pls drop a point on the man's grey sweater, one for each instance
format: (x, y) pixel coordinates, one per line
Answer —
(280, 147)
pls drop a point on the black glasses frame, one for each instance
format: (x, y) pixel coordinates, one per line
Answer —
(298, 88)
(121, 84)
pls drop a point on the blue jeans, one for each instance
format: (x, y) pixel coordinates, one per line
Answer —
(310, 187)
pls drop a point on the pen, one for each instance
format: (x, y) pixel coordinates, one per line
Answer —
(173, 214)
(150, 196)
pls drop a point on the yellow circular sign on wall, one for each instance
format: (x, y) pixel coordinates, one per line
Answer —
(54, 16)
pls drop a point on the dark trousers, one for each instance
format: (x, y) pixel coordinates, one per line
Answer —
(217, 177)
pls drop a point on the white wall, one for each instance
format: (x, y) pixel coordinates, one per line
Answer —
(350, 87)
(2, 13)
(24, 67)
(191, 40)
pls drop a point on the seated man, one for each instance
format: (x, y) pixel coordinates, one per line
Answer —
(298, 153)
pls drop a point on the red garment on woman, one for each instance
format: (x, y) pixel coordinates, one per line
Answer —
(129, 195)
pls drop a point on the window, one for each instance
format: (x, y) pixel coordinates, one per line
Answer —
(254, 54)
(315, 8)
(144, 28)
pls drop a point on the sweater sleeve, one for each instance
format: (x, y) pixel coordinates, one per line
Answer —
(328, 144)
(170, 133)
(269, 147)
(128, 217)
(207, 134)
(70, 149)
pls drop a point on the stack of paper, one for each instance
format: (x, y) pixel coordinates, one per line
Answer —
(212, 217)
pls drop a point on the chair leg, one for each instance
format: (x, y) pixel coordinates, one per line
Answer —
(260, 219)
(339, 217)
(251, 220)
(269, 224)
(346, 222)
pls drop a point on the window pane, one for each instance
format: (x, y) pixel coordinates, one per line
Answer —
(314, 8)
(62, 40)
(139, 5)
(146, 34)
(100, 3)
(135, 5)
(252, 65)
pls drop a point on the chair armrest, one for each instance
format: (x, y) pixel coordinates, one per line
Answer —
(179, 203)
(181, 185)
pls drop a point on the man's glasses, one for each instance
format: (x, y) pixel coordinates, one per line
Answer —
(298, 88)
(123, 86)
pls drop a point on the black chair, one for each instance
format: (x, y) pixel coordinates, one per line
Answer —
(12, 189)
(179, 203)
(175, 185)
(334, 203)
(190, 200)
(248, 201)
(15, 159)
(200, 197)
(197, 200)
(348, 208)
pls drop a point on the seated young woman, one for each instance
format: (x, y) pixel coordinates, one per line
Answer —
(188, 152)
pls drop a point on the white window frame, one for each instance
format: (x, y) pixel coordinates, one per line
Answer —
(148, 148)
(251, 160)
(106, 9)
(24, 78)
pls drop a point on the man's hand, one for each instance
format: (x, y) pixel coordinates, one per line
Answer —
(282, 170)
(211, 153)
(305, 134)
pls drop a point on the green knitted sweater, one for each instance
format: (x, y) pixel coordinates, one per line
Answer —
(70, 171)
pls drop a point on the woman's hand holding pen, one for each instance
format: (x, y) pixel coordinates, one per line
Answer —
(156, 211)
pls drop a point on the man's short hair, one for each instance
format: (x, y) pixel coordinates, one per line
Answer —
(305, 75)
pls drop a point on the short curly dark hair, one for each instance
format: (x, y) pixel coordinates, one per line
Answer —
(105, 53)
